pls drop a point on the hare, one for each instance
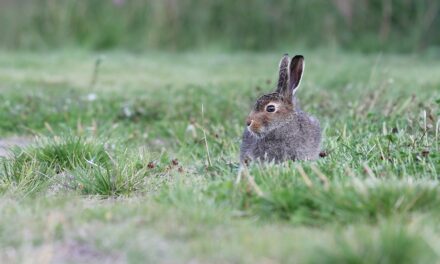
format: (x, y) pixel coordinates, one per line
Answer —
(277, 129)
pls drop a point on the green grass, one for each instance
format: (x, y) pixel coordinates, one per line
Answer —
(140, 25)
(121, 169)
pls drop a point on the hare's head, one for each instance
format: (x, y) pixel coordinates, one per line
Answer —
(276, 109)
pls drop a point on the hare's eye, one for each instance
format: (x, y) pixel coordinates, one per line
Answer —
(270, 108)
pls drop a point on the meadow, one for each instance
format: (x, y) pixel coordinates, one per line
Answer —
(134, 157)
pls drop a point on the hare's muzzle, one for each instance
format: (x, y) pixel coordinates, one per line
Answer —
(248, 122)
(253, 126)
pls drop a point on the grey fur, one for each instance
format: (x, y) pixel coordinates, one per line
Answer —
(295, 135)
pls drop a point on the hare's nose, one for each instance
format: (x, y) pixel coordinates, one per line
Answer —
(248, 122)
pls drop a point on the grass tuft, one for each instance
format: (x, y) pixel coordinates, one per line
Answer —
(391, 244)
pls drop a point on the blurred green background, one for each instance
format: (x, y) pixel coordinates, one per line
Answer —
(138, 25)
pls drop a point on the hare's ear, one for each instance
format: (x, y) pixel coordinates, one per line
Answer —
(283, 78)
(296, 68)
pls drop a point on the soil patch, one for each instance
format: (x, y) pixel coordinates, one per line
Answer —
(7, 143)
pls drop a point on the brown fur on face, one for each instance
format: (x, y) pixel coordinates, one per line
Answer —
(260, 121)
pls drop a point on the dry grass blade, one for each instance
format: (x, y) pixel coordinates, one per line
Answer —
(321, 176)
(368, 170)
(244, 172)
(437, 129)
(305, 177)
(208, 156)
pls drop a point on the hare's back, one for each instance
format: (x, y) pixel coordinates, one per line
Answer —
(305, 137)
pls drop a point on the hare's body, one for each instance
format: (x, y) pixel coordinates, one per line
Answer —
(298, 139)
(278, 129)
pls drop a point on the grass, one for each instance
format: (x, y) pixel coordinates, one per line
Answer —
(141, 25)
(127, 167)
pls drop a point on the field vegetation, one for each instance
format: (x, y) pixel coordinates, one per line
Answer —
(134, 158)
(121, 121)
(174, 25)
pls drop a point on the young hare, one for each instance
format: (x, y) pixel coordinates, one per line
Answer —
(277, 129)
